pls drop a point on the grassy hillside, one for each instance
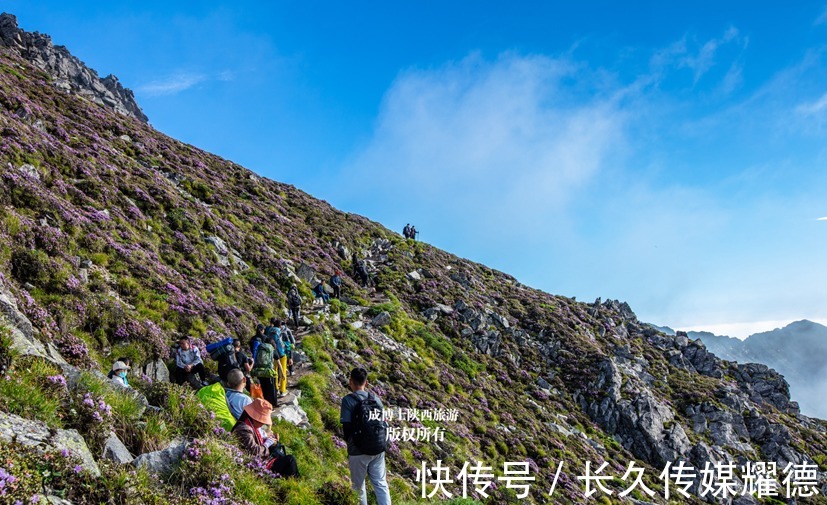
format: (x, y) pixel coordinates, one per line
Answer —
(115, 239)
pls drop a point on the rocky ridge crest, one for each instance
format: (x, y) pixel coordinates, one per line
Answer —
(67, 72)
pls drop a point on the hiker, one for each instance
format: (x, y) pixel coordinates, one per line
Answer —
(354, 264)
(281, 359)
(366, 435)
(294, 303)
(246, 430)
(236, 399)
(257, 339)
(225, 355)
(336, 284)
(245, 363)
(274, 329)
(126, 361)
(187, 361)
(265, 372)
(413, 232)
(407, 231)
(321, 292)
(119, 370)
(362, 270)
(289, 344)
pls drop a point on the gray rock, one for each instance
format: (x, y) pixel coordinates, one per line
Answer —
(445, 309)
(219, 245)
(381, 319)
(487, 342)
(156, 370)
(68, 73)
(30, 171)
(15, 429)
(292, 413)
(125, 138)
(414, 276)
(162, 462)
(500, 320)
(356, 324)
(56, 500)
(305, 272)
(115, 451)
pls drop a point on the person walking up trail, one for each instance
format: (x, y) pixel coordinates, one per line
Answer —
(366, 435)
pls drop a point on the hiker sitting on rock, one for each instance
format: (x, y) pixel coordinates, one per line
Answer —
(321, 292)
(246, 431)
(125, 361)
(187, 361)
(336, 284)
(119, 369)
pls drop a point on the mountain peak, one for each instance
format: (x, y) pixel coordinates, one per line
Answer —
(67, 72)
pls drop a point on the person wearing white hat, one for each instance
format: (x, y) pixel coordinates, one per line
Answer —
(119, 369)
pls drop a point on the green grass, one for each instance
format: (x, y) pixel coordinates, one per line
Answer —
(27, 393)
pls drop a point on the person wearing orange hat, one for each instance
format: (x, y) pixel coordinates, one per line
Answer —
(246, 430)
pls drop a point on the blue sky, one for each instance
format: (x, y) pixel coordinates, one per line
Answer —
(672, 156)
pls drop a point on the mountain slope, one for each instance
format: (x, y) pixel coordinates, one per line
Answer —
(117, 238)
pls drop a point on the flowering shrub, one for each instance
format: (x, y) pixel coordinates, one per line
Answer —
(92, 417)
(74, 350)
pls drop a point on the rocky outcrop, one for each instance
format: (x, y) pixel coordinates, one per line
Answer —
(15, 429)
(156, 371)
(162, 462)
(23, 339)
(115, 451)
(67, 72)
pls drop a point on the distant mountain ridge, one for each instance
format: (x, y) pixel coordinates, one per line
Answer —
(798, 352)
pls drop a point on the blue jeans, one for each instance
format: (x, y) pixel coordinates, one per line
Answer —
(373, 467)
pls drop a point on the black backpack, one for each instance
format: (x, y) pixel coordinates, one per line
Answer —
(369, 435)
(293, 299)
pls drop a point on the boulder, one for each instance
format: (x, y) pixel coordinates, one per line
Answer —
(156, 370)
(356, 325)
(115, 451)
(306, 273)
(162, 462)
(30, 171)
(381, 319)
(37, 434)
(292, 413)
(414, 276)
(218, 244)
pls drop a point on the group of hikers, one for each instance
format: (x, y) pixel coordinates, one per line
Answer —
(410, 231)
(255, 378)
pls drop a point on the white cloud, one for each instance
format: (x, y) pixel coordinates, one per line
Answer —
(172, 84)
(822, 218)
(510, 139)
(822, 18)
(699, 60)
(813, 108)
